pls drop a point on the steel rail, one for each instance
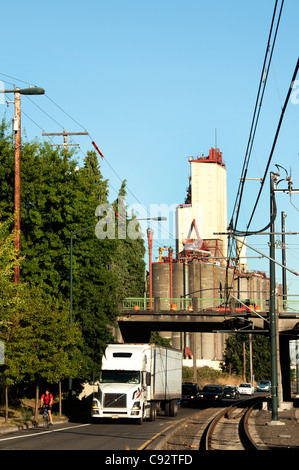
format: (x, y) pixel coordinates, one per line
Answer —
(243, 429)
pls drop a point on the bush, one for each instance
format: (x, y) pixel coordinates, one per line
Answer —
(207, 375)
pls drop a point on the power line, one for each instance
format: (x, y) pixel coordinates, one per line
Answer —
(254, 123)
(275, 138)
(17, 79)
(169, 235)
(256, 114)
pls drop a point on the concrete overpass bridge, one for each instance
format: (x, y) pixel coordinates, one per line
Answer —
(139, 317)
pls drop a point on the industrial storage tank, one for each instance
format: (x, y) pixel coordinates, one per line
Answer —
(161, 283)
(179, 273)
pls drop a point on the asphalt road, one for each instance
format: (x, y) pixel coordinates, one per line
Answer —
(114, 435)
(85, 435)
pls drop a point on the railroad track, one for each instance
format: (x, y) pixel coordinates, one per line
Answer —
(229, 430)
(226, 429)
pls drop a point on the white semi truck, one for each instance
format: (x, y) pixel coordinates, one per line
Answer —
(137, 381)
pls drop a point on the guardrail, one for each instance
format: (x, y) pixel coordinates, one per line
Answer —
(133, 303)
(186, 304)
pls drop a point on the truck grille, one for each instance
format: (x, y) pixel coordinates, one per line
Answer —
(115, 400)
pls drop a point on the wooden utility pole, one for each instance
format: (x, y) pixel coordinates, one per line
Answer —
(17, 130)
(17, 190)
(65, 134)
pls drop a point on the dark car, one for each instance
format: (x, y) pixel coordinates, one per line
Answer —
(231, 391)
(211, 393)
(190, 394)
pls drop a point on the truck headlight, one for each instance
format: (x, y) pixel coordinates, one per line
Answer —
(136, 408)
(136, 405)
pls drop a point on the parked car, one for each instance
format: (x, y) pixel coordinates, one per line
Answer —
(263, 386)
(190, 394)
(231, 391)
(246, 389)
(211, 393)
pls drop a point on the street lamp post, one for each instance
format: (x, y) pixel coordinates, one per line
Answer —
(17, 193)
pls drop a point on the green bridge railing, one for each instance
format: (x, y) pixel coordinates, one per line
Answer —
(186, 304)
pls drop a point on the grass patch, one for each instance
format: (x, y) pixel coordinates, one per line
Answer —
(22, 413)
(207, 375)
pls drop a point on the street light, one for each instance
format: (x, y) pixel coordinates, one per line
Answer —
(17, 128)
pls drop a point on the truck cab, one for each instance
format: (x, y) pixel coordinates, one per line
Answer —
(130, 383)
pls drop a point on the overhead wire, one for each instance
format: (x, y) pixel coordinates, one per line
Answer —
(275, 138)
(252, 132)
(256, 114)
(255, 119)
(166, 232)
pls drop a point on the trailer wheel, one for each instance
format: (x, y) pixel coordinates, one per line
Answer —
(153, 411)
(173, 408)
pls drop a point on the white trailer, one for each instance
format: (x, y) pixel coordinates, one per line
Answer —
(137, 381)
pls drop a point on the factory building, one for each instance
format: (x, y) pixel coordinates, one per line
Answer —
(198, 267)
(206, 203)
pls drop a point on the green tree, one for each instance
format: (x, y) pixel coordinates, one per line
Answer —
(35, 330)
(128, 261)
(234, 359)
(59, 197)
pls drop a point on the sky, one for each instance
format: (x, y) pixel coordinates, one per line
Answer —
(156, 82)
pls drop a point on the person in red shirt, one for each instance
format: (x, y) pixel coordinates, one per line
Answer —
(47, 401)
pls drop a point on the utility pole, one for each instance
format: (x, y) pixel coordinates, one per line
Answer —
(273, 326)
(283, 262)
(65, 135)
(150, 234)
(17, 130)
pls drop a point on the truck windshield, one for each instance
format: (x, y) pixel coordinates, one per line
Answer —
(120, 376)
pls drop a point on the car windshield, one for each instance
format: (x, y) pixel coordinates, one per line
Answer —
(229, 387)
(189, 389)
(120, 376)
(245, 385)
(264, 382)
(211, 389)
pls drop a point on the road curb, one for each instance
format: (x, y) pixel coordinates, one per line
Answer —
(160, 441)
(25, 426)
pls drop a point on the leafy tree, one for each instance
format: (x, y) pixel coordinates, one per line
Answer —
(34, 329)
(128, 263)
(59, 197)
(233, 355)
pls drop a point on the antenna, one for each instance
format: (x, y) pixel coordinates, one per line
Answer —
(216, 138)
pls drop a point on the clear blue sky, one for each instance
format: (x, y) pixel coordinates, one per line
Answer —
(150, 82)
